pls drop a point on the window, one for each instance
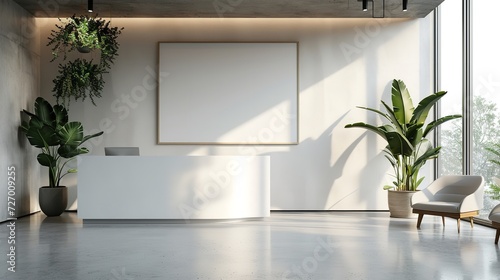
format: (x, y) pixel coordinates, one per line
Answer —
(482, 101)
(451, 80)
(485, 97)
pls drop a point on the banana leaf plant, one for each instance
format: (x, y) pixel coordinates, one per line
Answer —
(494, 190)
(495, 151)
(407, 148)
(60, 141)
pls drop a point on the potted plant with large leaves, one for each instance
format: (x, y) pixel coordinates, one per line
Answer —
(407, 148)
(60, 141)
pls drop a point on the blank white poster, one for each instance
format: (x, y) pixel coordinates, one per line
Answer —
(228, 93)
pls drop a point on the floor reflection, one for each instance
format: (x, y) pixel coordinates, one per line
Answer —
(284, 246)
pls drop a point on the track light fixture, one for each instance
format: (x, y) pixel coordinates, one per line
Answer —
(405, 5)
(365, 5)
(91, 6)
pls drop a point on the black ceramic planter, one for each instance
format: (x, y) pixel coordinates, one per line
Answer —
(53, 201)
(83, 49)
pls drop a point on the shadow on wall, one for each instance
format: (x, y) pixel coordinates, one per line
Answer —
(315, 179)
(23, 157)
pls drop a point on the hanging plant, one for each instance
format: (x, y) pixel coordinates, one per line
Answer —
(85, 33)
(82, 78)
(79, 79)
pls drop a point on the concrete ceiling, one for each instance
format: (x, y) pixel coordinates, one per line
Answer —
(232, 8)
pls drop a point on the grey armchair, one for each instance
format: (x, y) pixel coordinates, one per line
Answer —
(495, 220)
(453, 196)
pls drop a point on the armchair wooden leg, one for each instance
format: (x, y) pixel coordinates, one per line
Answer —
(442, 218)
(498, 235)
(419, 221)
(471, 222)
(458, 225)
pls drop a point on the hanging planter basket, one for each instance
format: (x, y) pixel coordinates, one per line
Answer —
(82, 78)
(85, 33)
(78, 79)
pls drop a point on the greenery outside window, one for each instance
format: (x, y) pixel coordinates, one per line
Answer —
(481, 103)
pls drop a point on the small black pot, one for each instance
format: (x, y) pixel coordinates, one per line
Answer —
(83, 49)
(53, 201)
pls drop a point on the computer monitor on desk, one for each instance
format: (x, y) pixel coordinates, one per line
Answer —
(121, 151)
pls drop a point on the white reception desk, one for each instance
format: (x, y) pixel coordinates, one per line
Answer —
(173, 187)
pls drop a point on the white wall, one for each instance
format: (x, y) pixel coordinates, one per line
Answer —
(19, 85)
(343, 63)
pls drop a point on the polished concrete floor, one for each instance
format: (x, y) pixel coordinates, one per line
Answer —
(284, 246)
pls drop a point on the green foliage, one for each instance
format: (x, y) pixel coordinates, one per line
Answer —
(407, 148)
(494, 149)
(58, 139)
(494, 190)
(80, 78)
(485, 134)
(85, 32)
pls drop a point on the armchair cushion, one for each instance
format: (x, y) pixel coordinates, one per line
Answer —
(438, 206)
(449, 197)
(495, 218)
(495, 214)
(451, 194)
(454, 196)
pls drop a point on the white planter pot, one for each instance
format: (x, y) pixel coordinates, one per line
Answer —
(400, 204)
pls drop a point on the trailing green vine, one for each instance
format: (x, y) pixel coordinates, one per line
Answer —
(81, 78)
(85, 32)
(494, 190)
(78, 79)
